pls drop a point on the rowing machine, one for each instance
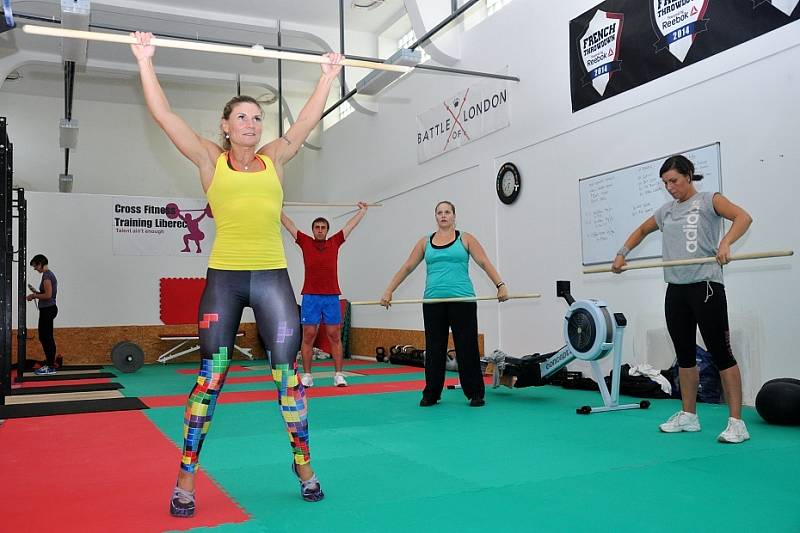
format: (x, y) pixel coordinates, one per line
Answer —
(591, 333)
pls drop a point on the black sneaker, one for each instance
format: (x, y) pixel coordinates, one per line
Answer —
(477, 402)
(425, 402)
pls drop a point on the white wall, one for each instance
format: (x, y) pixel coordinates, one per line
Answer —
(745, 99)
(120, 149)
(117, 137)
(385, 237)
(95, 287)
(123, 138)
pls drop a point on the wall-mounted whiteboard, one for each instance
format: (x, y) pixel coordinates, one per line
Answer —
(616, 203)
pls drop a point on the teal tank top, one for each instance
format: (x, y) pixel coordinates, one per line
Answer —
(448, 270)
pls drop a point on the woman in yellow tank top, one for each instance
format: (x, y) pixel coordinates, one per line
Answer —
(247, 267)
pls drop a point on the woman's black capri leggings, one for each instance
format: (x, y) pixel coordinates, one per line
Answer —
(702, 305)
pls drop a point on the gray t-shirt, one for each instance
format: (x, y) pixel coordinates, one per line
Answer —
(690, 229)
(47, 274)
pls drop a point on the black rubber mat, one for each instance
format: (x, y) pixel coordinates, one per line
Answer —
(27, 410)
(89, 387)
(66, 367)
(67, 377)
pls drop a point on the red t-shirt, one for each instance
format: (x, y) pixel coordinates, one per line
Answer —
(321, 259)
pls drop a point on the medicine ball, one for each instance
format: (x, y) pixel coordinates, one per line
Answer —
(778, 401)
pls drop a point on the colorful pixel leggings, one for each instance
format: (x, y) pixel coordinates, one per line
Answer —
(227, 293)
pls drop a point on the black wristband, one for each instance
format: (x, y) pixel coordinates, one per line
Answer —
(499, 284)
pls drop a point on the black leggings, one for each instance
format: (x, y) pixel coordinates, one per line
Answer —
(700, 304)
(47, 316)
(462, 317)
(227, 293)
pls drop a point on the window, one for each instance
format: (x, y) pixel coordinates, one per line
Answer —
(482, 11)
(407, 40)
(493, 6)
(337, 115)
(345, 109)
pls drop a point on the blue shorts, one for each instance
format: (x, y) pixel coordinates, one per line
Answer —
(318, 309)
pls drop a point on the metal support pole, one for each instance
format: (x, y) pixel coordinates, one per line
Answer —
(22, 283)
(6, 261)
(451, 70)
(342, 100)
(280, 87)
(457, 13)
(342, 89)
(69, 86)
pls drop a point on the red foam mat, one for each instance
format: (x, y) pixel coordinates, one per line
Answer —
(347, 362)
(98, 472)
(232, 368)
(388, 370)
(360, 371)
(314, 392)
(62, 383)
(240, 368)
(261, 377)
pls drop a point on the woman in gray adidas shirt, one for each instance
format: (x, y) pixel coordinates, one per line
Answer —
(690, 226)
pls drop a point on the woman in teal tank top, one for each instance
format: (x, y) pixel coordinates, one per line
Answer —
(244, 278)
(446, 253)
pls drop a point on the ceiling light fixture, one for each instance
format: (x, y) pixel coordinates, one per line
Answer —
(366, 4)
(267, 98)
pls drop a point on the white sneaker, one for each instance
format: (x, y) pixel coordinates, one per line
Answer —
(681, 421)
(307, 380)
(338, 380)
(735, 433)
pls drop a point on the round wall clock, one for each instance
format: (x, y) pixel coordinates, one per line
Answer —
(508, 183)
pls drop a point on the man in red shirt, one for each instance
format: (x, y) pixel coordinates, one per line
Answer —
(321, 291)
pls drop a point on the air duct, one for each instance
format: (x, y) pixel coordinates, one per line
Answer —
(378, 80)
